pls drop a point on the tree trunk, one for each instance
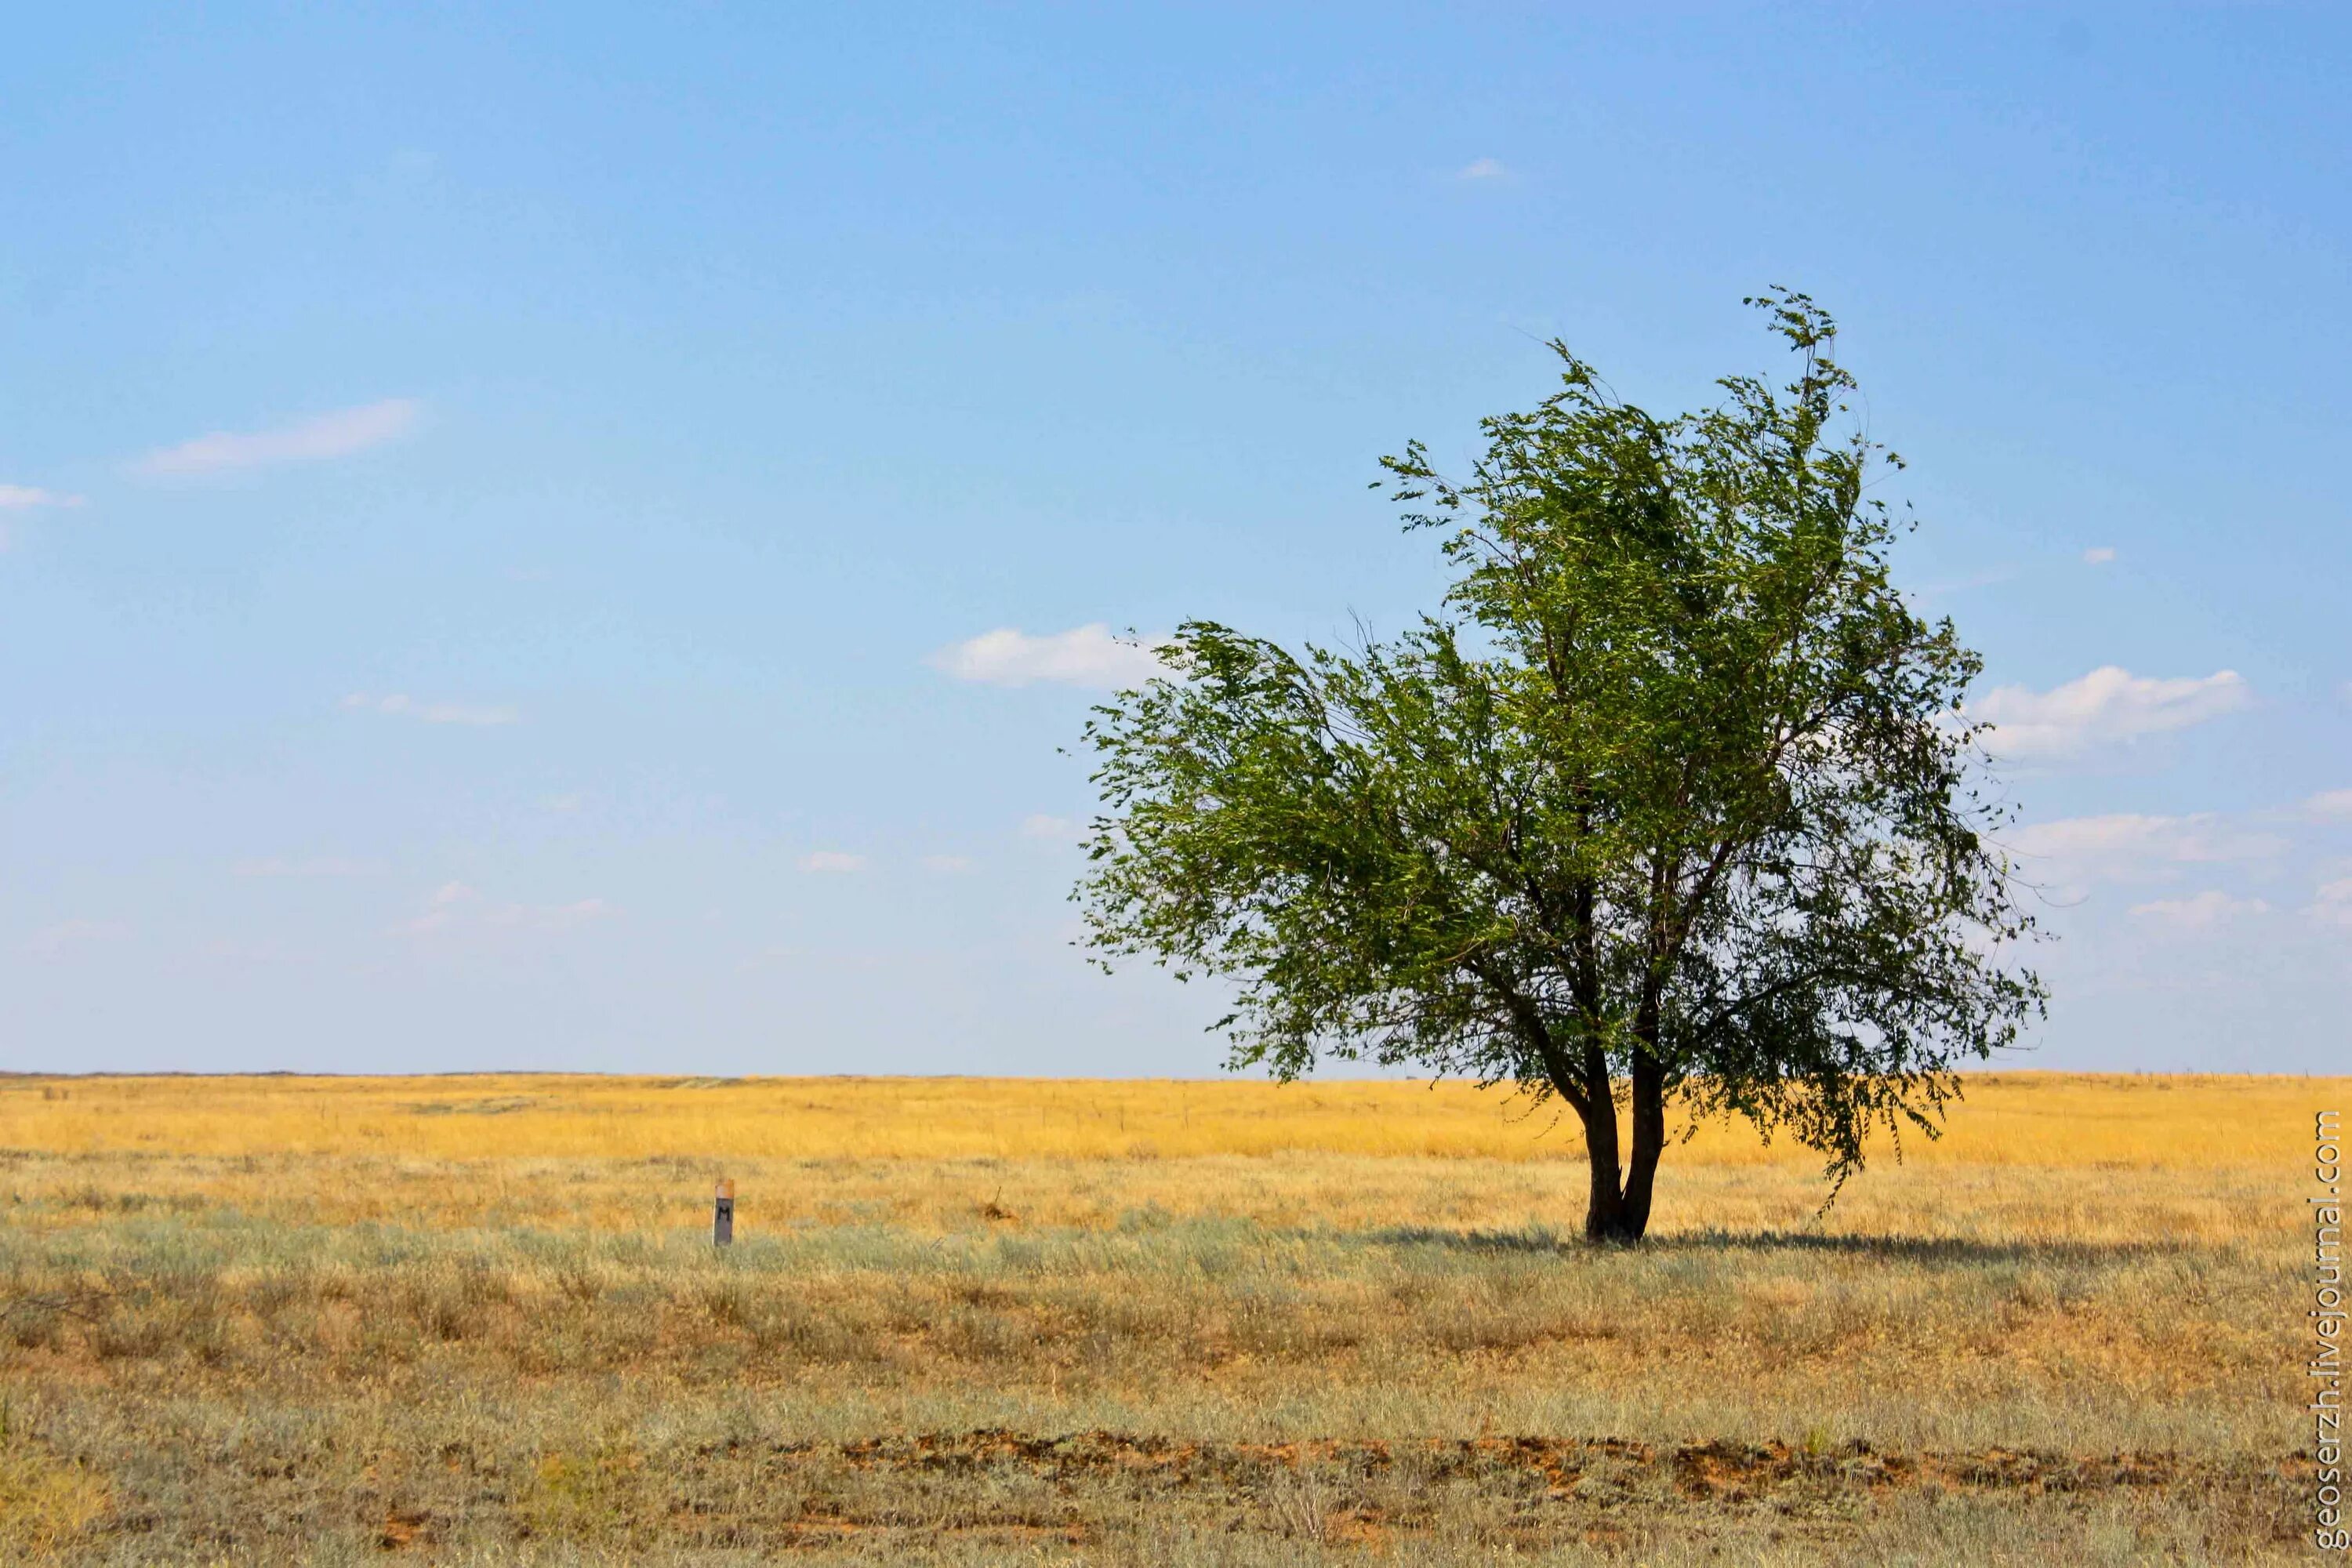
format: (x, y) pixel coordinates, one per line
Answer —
(1604, 1212)
(1649, 1143)
(1619, 1208)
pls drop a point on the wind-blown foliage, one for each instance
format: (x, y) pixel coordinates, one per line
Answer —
(1671, 799)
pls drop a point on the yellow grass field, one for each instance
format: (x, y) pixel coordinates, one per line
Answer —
(477, 1319)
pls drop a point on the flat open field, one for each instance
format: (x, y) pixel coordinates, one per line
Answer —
(476, 1320)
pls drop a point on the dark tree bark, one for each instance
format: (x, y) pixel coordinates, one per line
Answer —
(1623, 1178)
(1611, 1212)
(1649, 1143)
(1604, 1212)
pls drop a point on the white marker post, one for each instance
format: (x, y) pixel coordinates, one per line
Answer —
(722, 1214)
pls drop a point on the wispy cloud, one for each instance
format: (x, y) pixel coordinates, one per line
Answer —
(316, 865)
(1054, 829)
(2200, 912)
(457, 907)
(1933, 592)
(2331, 803)
(2125, 847)
(1482, 169)
(948, 864)
(269, 949)
(832, 862)
(1083, 656)
(404, 707)
(2109, 706)
(2332, 904)
(55, 940)
(335, 435)
(2098, 554)
(23, 498)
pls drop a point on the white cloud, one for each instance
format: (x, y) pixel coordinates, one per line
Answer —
(2110, 706)
(833, 861)
(2330, 803)
(1083, 656)
(947, 865)
(53, 940)
(2128, 847)
(454, 906)
(335, 435)
(2200, 912)
(2332, 904)
(317, 865)
(400, 706)
(1057, 830)
(21, 497)
(1482, 169)
(2098, 554)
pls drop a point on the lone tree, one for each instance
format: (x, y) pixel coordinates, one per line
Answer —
(1670, 800)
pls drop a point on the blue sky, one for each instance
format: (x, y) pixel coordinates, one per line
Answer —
(499, 503)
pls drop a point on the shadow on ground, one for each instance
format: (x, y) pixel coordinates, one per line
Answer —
(1898, 1247)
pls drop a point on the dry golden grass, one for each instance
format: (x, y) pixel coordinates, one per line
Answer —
(476, 1320)
(2150, 1121)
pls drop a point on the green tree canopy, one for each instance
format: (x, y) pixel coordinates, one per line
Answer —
(1672, 799)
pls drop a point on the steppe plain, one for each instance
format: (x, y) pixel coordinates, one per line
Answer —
(477, 1319)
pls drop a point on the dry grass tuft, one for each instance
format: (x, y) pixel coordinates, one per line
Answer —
(47, 1503)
